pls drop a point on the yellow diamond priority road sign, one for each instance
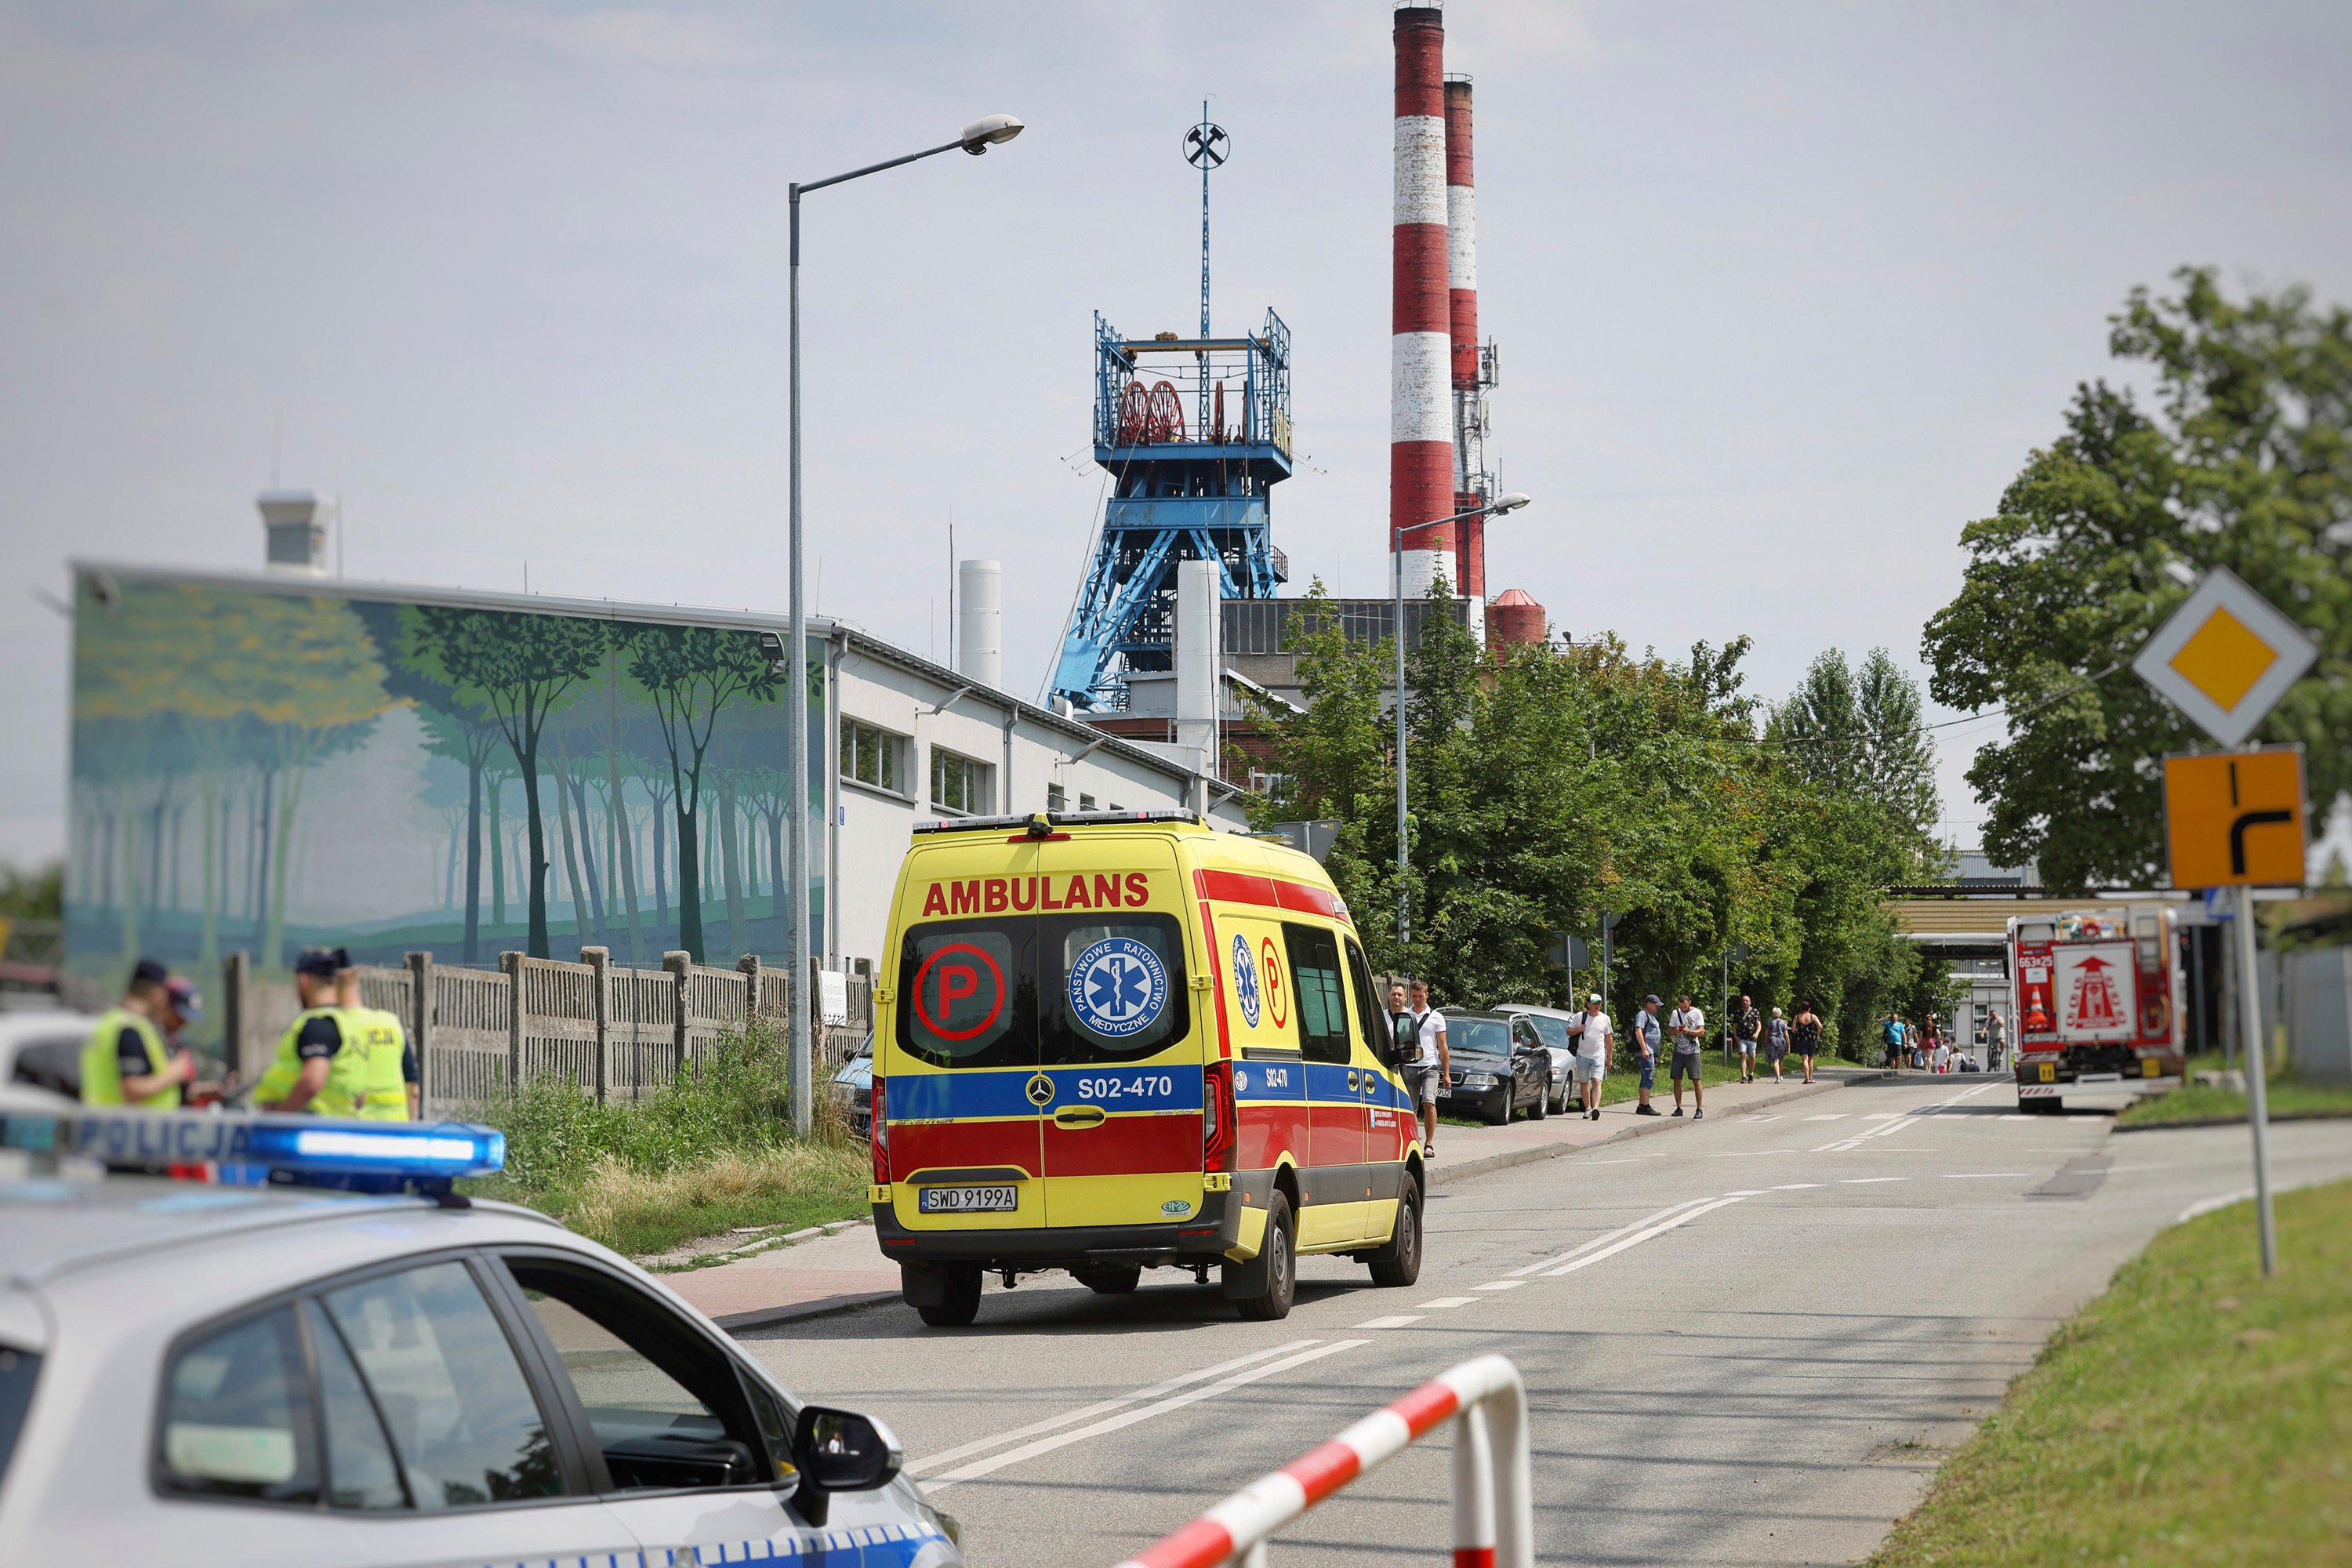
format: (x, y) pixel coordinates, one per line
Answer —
(2225, 657)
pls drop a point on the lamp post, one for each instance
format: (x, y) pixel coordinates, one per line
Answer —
(975, 139)
(1511, 502)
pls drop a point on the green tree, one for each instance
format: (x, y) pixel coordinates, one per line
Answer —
(2244, 460)
(523, 668)
(690, 674)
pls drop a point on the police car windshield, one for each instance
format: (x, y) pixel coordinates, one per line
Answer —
(1050, 990)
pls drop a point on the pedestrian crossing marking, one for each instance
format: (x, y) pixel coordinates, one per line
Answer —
(1832, 1116)
(1444, 1302)
(1502, 1285)
(1396, 1322)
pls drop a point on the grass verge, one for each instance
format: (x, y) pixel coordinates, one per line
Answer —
(2196, 1413)
(2196, 1101)
(708, 1154)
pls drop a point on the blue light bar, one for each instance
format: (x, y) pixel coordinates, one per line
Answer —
(424, 1151)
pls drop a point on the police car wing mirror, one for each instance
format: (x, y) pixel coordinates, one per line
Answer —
(840, 1451)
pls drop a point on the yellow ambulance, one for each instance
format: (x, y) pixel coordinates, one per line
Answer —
(1107, 1041)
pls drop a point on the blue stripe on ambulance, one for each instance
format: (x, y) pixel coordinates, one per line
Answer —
(994, 1091)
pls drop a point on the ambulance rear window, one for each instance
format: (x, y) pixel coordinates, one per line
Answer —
(1054, 990)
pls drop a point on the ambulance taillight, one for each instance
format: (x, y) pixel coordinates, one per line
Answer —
(1218, 1116)
(879, 1136)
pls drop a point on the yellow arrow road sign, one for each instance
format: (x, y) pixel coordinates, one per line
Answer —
(2235, 818)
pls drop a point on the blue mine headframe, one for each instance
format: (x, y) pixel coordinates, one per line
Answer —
(1195, 433)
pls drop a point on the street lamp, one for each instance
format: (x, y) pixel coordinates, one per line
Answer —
(975, 139)
(1511, 502)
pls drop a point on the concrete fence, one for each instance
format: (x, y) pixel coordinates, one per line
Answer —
(613, 1031)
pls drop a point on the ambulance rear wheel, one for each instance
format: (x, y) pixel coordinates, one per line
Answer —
(958, 1302)
(1399, 1262)
(1279, 1265)
(1111, 1279)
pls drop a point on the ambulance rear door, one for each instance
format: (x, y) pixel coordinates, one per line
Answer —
(1119, 1036)
(961, 1089)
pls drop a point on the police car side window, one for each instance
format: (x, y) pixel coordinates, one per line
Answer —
(664, 1407)
(362, 1473)
(236, 1415)
(464, 1423)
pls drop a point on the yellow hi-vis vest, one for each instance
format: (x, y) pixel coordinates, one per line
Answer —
(101, 1073)
(346, 1074)
(387, 1095)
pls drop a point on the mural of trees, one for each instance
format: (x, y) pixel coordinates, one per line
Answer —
(523, 666)
(690, 674)
(257, 763)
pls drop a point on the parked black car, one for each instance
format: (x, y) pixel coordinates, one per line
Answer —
(1499, 1068)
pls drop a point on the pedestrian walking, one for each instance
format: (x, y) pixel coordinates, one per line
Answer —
(1649, 1040)
(1776, 1043)
(127, 1060)
(1891, 1031)
(1435, 1062)
(1592, 1055)
(1687, 1024)
(1750, 1030)
(1809, 1037)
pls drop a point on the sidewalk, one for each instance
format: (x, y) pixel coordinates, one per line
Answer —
(845, 1271)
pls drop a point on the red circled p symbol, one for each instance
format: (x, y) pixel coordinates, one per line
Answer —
(1275, 1003)
(957, 982)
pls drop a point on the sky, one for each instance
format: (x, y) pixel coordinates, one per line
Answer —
(1784, 295)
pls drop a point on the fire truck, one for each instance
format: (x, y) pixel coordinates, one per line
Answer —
(2097, 1004)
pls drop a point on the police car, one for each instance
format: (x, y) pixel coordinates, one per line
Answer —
(278, 1374)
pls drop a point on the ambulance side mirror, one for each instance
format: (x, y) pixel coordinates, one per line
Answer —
(840, 1451)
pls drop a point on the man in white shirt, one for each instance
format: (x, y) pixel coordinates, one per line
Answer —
(1592, 1055)
(1435, 1063)
(1687, 1027)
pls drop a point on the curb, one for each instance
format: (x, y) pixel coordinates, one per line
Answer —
(797, 1311)
(2275, 1116)
(1443, 1174)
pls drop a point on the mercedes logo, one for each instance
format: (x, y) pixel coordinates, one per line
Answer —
(1041, 1091)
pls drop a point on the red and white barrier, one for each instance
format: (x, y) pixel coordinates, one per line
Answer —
(1494, 1510)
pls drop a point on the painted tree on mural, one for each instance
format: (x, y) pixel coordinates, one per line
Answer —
(691, 674)
(458, 725)
(182, 680)
(525, 667)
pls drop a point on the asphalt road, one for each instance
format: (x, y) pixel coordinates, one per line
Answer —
(1747, 1342)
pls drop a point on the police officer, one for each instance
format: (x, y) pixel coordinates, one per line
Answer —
(313, 1071)
(391, 1093)
(127, 1061)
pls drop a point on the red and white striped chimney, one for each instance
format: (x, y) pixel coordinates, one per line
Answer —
(1462, 292)
(1420, 433)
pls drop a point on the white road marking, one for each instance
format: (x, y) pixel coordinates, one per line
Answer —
(1828, 1116)
(1143, 1413)
(1398, 1322)
(1445, 1302)
(1882, 1116)
(2020, 1116)
(1502, 1285)
(1795, 1186)
(1087, 1412)
(1979, 1175)
(1866, 1181)
(1577, 1251)
(1638, 1237)
(1774, 1117)
(1746, 1193)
